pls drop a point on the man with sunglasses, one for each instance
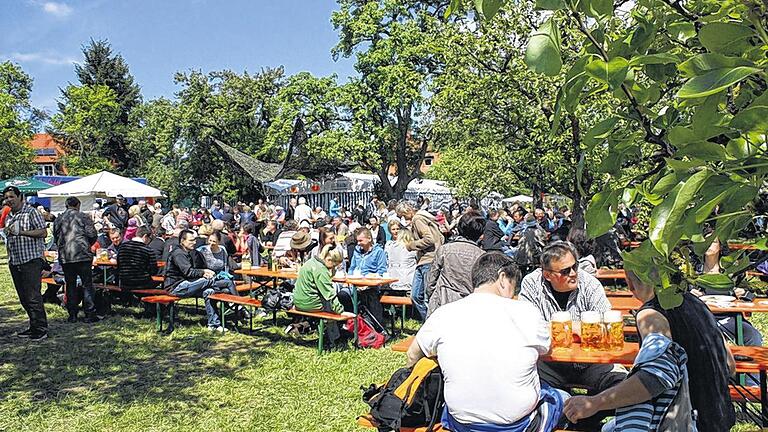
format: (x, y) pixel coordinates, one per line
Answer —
(559, 286)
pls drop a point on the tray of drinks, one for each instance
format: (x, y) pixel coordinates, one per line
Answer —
(594, 332)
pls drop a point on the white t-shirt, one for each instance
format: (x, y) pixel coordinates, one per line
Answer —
(487, 347)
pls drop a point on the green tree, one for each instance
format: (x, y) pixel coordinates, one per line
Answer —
(17, 118)
(103, 67)
(691, 78)
(86, 122)
(385, 106)
(235, 108)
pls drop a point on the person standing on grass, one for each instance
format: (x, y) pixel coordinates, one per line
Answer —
(427, 239)
(25, 232)
(74, 233)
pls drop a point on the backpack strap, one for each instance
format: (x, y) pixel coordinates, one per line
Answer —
(420, 371)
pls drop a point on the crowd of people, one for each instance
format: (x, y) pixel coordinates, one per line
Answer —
(484, 282)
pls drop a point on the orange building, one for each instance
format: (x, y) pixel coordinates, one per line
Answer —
(48, 155)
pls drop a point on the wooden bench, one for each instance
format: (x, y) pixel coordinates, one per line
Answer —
(403, 345)
(226, 299)
(394, 301)
(322, 316)
(159, 301)
(49, 281)
(744, 394)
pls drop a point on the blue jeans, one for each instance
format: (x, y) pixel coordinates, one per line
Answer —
(196, 288)
(418, 293)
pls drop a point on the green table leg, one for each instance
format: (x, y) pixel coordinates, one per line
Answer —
(223, 315)
(159, 324)
(321, 329)
(354, 310)
(170, 317)
(740, 340)
(402, 320)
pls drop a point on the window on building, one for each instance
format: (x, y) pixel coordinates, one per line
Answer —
(46, 170)
(428, 160)
(46, 152)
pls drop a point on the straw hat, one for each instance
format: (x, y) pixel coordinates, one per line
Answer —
(300, 240)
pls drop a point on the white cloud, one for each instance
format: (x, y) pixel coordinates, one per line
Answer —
(59, 10)
(45, 58)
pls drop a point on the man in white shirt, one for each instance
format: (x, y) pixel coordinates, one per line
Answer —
(488, 344)
(303, 211)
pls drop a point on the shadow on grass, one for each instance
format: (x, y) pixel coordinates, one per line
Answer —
(120, 360)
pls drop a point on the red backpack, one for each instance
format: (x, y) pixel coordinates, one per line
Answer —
(367, 337)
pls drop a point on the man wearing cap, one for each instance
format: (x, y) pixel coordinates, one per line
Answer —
(301, 244)
(25, 231)
(116, 214)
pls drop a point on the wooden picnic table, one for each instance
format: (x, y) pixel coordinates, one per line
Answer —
(608, 273)
(626, 304)
(741, 245)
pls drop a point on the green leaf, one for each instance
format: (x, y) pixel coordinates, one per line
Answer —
(665, 184)
(663, 230)
(611, 73)
(703, 63)
(488, 8)
(542, 55)
(714, 81)
(715, 282)
(452, 8)
(662, 58)
(740, 148)
(680, 136)
(550, 4)
(682, 31)
(599, 132)
(580, 174)
(601, 213)
(598, 8)
(725, 38)
(703, 150)
(669, 298)
(752, 119)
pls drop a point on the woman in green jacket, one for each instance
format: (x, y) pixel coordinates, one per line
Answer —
(314, 289)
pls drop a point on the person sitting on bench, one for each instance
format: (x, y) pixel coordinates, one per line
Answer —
(182, 279)
(487, 344)
(314, 289)
(136, 263)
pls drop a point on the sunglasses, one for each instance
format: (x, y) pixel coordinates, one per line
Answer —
(566, 271)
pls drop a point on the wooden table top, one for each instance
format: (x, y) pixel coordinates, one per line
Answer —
(606, 273)
(630, 303)
(290, 274)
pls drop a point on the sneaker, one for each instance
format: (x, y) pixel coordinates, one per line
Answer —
(291, 329)
(38, 335)
(217, 329)
(25, 334)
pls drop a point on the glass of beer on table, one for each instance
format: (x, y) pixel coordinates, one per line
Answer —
(614, 330)
(591, 330)
(562, 330)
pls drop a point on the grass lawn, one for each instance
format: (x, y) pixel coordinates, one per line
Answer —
(119, 374)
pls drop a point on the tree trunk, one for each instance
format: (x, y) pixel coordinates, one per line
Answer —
(577, 213)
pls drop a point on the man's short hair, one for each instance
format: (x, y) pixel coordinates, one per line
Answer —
(248, 228)
(72, 202)
(493, 213)
(490, 265)
(291, 225)
(471, 225)
(13, 189)
(142, 231)
(115, 231)
(557, 250)
(184, 233)
(364, 231)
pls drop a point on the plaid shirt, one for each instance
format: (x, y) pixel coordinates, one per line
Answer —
(23, 249)
(589, 296)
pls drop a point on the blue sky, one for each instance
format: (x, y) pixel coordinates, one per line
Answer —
(160, 37)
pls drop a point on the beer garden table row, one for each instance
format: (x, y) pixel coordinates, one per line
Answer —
(356, 282)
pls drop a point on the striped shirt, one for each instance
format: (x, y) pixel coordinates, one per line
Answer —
(23, 249)
(665, 361)
(588, 296)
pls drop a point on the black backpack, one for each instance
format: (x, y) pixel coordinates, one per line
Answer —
(413, 397)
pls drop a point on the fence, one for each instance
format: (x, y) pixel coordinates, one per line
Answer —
(349, 200)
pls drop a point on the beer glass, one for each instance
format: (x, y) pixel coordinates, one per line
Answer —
(591, 330)
(562, 330)
(614, 330)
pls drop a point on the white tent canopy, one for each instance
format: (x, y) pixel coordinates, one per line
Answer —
(519, 198)
(99, 185)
